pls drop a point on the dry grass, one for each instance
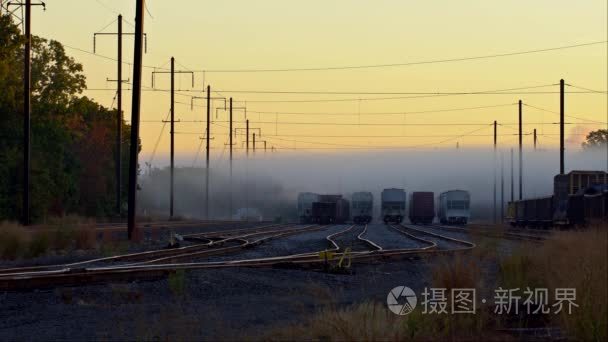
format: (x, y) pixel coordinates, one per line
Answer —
(59, 235)
(14, 241)
(571, 259)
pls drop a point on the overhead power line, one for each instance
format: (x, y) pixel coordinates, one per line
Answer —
(557, 113)
(403, 64)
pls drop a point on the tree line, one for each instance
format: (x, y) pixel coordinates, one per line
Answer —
(72, 136)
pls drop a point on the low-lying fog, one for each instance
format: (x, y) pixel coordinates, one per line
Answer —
(271, 182)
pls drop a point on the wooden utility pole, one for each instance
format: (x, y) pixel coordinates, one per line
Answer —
(27, 93)
(230, 143)
(535, 139)
(247, 136)
(512, 179)
(207, 152)
(135, 108)
(521, 158)
(254, 143)
(118, 163)
(119, 114)
(561, 127)
(494, 171)
(172, 137)
(502, 186)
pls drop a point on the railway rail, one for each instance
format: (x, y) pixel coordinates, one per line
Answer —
(173, 260)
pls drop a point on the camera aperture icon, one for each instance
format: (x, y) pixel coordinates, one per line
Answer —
(401, 300)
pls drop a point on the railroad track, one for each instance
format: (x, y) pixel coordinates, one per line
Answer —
(204, 244)
(354, 240)
(161, 267)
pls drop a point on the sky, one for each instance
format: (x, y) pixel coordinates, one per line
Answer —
(240, 34)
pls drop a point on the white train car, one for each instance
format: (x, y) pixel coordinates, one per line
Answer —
(454, 207)
(305, 200)
(393, 205)
(362, 204)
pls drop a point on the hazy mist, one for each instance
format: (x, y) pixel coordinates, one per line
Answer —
(271, 182)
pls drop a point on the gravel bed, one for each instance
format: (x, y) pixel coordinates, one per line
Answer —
(388, 238)
(305, 242)
(226, 304)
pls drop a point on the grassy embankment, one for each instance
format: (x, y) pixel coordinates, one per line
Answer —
(569, 259)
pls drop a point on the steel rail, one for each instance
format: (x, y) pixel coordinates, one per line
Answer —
(124, 257)
(154, 271)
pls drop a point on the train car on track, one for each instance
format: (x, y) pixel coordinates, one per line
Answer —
(579, 198)
(362, 204)
(454, 207)
(393, 205)
(330, 209)
(305, 201)
(422, 207)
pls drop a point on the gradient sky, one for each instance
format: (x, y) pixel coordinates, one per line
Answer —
(240, 34)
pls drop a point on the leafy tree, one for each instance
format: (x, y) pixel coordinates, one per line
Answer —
(596, 139)
(72, 146)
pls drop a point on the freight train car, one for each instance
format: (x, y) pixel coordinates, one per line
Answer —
(362, 204)
(393, 205)
(422, 207)
(330, 209)
(454, 207)
(305, 201)
(580, 198)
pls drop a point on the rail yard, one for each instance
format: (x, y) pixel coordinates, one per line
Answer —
(219, 258)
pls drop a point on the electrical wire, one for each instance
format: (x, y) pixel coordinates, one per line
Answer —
(162, 130)
(556, 113)
(436, 61)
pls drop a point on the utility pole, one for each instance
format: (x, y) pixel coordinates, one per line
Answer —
(264, 146)
(521, 159)
(512, 179)
(254, 143)
(27, 94)
(207, 155)
(561, 126)
(230, 142)
(502, 186)
(172, 73)
(247, 139)
(494, 170)
(535, 139)
(135, 108)
(119, 81)
(119, 118)
(172, 135)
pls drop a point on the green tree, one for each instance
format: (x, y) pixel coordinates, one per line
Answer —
(596, 139)
(72, 137)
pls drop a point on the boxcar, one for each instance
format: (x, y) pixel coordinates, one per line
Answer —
(422, 207)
